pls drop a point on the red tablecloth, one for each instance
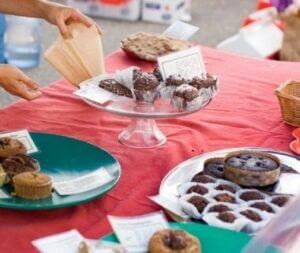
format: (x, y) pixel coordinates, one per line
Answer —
(245, 113)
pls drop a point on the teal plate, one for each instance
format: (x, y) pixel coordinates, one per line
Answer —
(66, 158)
(213, 240)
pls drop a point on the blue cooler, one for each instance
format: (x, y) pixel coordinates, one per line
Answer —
(2, 31)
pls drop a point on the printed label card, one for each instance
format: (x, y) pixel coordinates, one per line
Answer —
(134, 233)
(24, 137)
(181, 30)
(84, 183)
(187, 63)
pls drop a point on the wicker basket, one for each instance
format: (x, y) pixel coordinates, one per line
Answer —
(289, 97)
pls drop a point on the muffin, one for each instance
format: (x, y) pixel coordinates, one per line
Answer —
(251, 168)
(145, 87)
(177, 241)
(186, 98)
(32, 185)
(10, 147)
(19, 163)
(113, 86)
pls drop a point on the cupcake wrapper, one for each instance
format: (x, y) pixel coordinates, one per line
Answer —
(125, 76)
(252, 226)
(237, 225)
(28, 192)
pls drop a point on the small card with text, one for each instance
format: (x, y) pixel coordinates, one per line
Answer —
(187, 63)
(24, 137)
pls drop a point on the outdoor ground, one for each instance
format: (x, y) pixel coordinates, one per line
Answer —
(217, 19)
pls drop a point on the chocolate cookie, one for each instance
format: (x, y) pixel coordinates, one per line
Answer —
(113, 86)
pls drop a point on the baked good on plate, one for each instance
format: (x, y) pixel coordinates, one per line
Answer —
(113, 86)
(173, 241)
(203, 82)
(10, 146)
(186, 97)
(19, 163)
(32, 185)
(251, 168)
(175, 80)
(149, 47)
(3, 176)
(145, 87)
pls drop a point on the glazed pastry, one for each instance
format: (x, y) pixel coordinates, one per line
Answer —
(174, 241)
(113, 86)
(10, 146)
(186, 97)
(251, 169)
(32, 185)
(19, 163)
(149, 47)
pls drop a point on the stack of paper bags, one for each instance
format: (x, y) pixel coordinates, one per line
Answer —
(80, 57)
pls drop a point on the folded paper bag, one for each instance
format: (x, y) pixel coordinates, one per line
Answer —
(80, 57)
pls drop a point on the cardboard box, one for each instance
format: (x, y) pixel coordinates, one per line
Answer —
(166, 11)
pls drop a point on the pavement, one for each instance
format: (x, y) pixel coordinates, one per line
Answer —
(217, 19)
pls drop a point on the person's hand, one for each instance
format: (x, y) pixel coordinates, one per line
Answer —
(17, 83)
(61, 16)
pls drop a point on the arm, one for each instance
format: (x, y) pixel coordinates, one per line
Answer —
(56, 14)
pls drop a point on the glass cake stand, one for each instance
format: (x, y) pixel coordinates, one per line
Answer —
(142, 131)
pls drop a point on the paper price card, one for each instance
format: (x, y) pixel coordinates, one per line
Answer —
(187, 63)
(134, 233)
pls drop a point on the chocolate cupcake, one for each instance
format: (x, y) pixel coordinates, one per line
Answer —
(225, 197)
(280, 201)
(175, 80)
(169, 241)
(251, 215)
(19, 163)
(145, 87)
(10, 147)
(227, 217)
(263, 206)
(158, 74)
(199, 202)
(186, 98)
(219, 208)
(199, 189)
(204, 179)
(113, 86)
(251, 195)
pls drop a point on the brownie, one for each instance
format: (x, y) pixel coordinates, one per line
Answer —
(200, 178)
(251, 215)
(263, 206)
(175, 240)
(224, 197)
(226, 187)
(145, 82)
(198, 189)
(186, 92)
(219, 208)
(251, 195)
(175, 80)
(199, 202)
(113, 86)
(280, 200)
(158, 74)
(227, 217)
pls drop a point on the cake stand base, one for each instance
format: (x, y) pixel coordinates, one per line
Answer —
(142, 133)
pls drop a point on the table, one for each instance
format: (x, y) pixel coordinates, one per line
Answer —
(245, 113)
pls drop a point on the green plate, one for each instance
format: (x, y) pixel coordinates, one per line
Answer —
(66, 158)
(213, 240)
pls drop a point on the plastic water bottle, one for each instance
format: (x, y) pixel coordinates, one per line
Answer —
(2, 30)
(22, 42)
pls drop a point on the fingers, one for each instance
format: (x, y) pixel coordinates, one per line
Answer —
(20, 89)
(61, 23)
(31, 84)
